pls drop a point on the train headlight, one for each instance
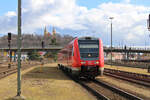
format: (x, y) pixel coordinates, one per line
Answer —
(97, 62)
(82, 62)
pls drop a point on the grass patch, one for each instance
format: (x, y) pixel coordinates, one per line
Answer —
(45, 73)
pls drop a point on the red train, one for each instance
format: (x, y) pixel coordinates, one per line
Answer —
(82, 57)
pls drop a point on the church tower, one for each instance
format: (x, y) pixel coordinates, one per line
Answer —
(54, 31)
(45, 32)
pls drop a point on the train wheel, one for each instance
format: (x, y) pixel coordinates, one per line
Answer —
(59, 66)
(93, 77)
(69, 70)
(62, 67)
(66, 69)
(101, 73)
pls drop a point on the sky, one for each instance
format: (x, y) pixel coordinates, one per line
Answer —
(81, 18)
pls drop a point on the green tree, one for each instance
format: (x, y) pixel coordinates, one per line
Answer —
(51, 55)
(55, 57)
(53, 41)
(48, 55)
(33, 55)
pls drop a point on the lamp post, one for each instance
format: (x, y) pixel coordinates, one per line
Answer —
(111, 18)
(148, 23)
(148, 26)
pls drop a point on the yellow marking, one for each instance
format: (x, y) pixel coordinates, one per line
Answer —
(13, 53)
(5, 53)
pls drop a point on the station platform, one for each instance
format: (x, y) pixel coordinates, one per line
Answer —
(128, 69)
(43, 83)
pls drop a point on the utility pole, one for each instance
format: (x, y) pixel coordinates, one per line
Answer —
(19, 49)
(19, 40)
(111, 18)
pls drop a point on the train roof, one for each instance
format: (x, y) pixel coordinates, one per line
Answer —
(82, 38)
(88, 38)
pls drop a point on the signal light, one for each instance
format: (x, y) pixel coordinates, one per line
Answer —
(42, 44)
(9, 36)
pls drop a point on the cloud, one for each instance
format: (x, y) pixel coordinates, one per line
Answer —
(127, 1)
(11, 14)
(129, 21)
(8, 22)
(59, 13)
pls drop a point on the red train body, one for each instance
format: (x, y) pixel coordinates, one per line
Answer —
(83, 57)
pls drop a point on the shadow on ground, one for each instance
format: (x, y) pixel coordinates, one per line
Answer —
(9, 99)
(46, 73)
(16, 99)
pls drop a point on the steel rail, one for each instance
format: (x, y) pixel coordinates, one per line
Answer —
(118, 91)
(128, 79)
(11, 71)
(97, 94)
(136, 76)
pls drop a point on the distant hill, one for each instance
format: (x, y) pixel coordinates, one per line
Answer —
(29, 40)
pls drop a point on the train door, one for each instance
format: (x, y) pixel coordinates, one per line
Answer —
(70, 56)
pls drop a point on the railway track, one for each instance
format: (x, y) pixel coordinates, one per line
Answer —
(93, 90)
(128, 76)
(116, 93)
(104, 91)
(8, 72)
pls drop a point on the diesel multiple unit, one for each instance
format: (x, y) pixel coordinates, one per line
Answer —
(82, 57)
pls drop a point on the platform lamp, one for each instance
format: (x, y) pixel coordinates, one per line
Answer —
(148, 26)
(148, 22)
(111, 18)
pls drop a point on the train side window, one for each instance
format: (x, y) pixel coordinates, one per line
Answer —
(72, 51)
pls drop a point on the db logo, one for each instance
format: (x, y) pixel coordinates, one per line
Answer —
(89, 62)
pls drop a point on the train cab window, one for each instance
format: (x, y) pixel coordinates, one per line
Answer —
(89, 49)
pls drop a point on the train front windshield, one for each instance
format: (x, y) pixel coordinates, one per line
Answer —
(89, 49)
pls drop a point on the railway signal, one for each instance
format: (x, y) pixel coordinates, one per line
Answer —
(42, 44)
(9, 36)
(41, 59)
(9, 45)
